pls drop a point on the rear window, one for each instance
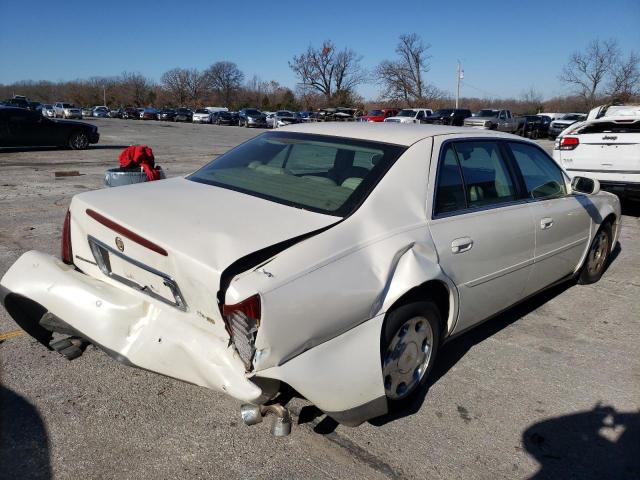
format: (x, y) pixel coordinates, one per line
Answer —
(325, 174)
(611, 127)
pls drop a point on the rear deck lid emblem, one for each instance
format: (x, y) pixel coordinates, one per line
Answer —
(120, 244)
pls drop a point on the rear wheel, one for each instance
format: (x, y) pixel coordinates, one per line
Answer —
(78, 141)
(410, 339)
(596, 261)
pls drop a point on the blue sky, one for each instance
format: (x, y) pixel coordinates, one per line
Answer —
(506, 47)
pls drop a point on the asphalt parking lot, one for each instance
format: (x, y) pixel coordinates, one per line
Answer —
(549, 388)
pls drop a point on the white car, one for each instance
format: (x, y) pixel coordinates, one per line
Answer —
(410, 115)
(334, 258)
(201, 115)
(607, 149)
(48, 110)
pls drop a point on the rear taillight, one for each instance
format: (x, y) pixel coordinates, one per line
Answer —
(65, 244)
(242, 321)
(568, 143)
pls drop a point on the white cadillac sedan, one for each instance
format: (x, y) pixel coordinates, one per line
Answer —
(335, 258)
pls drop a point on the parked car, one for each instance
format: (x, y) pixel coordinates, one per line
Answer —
(87, 111)
(201, 116)
(100, 112)
(182, 115)
(344, 256)
(149, 114)
(17, 101)
(536, 126)
(410, 115)
(115, 113)
(130, 113)
(607, 149)
(48, 111)
(66, 110)
(307, 116)
(167, 114)
(283, 118)
(558, 125)
(270, 118)
(24, 128)
(35, 106)
(251, 117)
(448, 116)
(379, 115)
(222, 118)
(501, 120)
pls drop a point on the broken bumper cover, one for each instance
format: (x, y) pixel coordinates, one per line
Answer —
(133, 330)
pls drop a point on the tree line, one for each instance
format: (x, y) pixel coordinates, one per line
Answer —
(329, 76)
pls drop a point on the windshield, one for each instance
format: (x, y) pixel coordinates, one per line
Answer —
(183, 110)
(284, 113)
(67, 105)
(252, 111)
(376, 113)
(46, 105)
(443, 113)
(201, 110)
(407, 113)
(321, 173)
(572, 117)
(486, 113)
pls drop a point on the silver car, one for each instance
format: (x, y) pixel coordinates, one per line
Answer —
(66, 110)
(341, 258)
(48, 111)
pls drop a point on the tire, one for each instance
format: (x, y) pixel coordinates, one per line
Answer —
(408, 349)
(597, 257)
(78, 141)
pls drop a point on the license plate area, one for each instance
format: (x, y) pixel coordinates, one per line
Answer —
(136, 275)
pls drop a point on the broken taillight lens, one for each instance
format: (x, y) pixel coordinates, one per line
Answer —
(242, 321)
(65, 244)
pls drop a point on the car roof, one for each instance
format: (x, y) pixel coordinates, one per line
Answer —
(396, 133)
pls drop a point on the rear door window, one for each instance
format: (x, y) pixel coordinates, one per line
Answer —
(486, 176)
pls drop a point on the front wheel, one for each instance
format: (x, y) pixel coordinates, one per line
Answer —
(410, 339)
(78, 141)
(597, 257)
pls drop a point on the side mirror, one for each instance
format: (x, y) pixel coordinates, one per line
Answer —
(586, 185)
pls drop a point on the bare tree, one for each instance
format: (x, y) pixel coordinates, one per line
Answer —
(176, 84)
(327, 70)
(625, 78)
(139, 89)
(226, 78)
(587, 71)
(404, 79)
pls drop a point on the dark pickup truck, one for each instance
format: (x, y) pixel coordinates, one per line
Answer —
(448, 116)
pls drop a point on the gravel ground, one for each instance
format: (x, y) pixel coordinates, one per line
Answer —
(550, 388)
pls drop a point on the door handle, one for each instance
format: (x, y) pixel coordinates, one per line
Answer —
(460, 245)
(546, 222)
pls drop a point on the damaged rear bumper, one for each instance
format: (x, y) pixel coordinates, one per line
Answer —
(136, 331)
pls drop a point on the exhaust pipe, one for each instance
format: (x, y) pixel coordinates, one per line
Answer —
(70, 348)
(253, 414)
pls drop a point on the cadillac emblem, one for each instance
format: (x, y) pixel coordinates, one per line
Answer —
(120, 244)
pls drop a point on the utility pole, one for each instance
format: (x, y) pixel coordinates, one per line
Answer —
(104, 95)
(459, 76)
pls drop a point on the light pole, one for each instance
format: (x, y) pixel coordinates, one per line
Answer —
(459, 76)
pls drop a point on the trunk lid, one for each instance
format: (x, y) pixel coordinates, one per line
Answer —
(201, 229)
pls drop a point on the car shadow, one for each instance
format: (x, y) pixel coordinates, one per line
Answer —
(595, 444)
(48, 149)
(24, 444)
(630, 207)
